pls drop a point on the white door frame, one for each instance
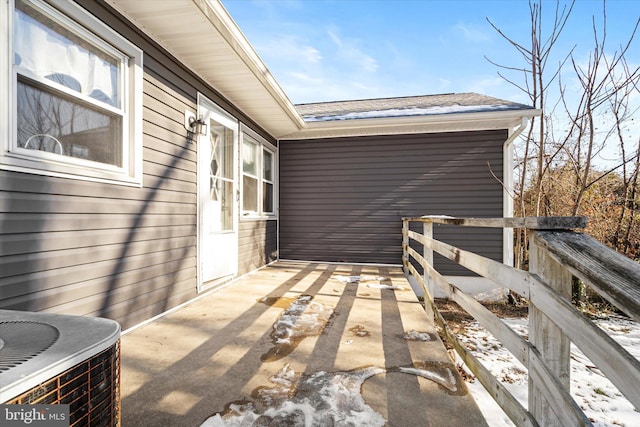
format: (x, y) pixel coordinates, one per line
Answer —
(207, 110)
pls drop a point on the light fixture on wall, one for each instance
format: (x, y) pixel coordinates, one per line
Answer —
(195, 126)
(198, 126)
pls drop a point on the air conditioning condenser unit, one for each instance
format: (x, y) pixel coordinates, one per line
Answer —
(58, 359)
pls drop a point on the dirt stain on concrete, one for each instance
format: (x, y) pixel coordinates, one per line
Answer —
(360, 331)
(279, 302)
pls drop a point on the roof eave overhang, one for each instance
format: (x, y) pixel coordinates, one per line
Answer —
(222, 21)
(455, 122)
(204, 37)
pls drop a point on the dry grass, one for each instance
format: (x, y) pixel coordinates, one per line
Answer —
(457, 318)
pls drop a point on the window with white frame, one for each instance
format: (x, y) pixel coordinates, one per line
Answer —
(76, 96)
(258, 178)
(267, 182)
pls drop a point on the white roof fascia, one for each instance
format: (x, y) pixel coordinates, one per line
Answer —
(224, 23)
(263, 100)
(487, 120)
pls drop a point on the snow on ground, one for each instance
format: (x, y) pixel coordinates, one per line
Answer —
(374, 282)
(595, 394)
(333, 398)
(302, 318)
(322, 398)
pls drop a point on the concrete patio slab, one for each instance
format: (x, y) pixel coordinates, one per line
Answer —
(295, 344)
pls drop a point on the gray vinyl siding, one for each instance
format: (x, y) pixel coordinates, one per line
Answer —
(126, 253)
(343, 199)
(257, 245)
(86, 248)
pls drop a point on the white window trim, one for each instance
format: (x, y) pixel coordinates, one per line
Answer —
(132, 95)
(272, 181)
(263, 144)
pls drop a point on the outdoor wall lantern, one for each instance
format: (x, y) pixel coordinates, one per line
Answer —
(198, 125)
(195, 126)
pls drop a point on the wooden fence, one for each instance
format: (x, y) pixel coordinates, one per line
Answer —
(556, 255)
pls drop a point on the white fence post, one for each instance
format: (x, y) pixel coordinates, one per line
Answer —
(544, 335)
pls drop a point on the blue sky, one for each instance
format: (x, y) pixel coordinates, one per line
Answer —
(329, 50)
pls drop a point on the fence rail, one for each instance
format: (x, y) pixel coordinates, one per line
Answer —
(556, 255)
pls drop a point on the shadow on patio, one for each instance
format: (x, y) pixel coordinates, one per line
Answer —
(344, 345)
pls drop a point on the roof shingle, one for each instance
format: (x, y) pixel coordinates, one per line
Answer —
(405, 106)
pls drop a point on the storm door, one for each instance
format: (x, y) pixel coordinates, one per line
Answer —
(218, 194)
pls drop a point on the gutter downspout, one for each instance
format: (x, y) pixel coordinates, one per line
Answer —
(507, 189)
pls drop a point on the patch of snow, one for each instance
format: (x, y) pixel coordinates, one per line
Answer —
(596, 395)
(358, 279)
(374, 282)
(321, 399)
(447, 381)
(244, 416)
(407, 112)
(418, 336)
(383, 286)
(301, 319)
(495, 294)
(437, 217)
(348, 279)
(480, 288)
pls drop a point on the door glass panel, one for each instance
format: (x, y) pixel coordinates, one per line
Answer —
(221, 177)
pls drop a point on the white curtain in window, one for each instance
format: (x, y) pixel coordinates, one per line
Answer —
(45, 52)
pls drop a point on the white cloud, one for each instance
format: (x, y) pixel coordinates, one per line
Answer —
(350, 51)
(288, 48)
(304, 77)
(311, 54)
(334, 68)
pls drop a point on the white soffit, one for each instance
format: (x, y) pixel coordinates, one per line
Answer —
(202, 35)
